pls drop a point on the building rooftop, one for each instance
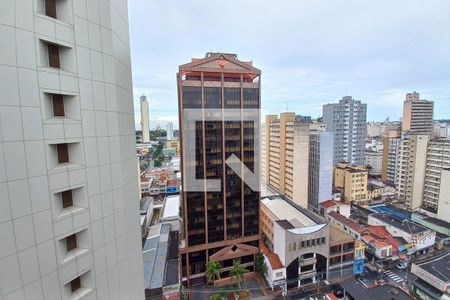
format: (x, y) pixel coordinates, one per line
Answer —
(283, 210)
(390, 292)
(171, 207)
(402, 224)
(155, 255)
(331, 203)
(349, 223)
(392, 210)
(439, 267)
(337, 235)
(358, 291)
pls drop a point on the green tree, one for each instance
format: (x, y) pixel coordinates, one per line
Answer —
(212, 272)
(237, 272)
(260, 265)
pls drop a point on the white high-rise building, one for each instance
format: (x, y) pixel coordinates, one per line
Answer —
(438, 158)
(347, 120)
(145, 120)
(169, 131)
(69, 198)
(320, 167)
(411, 169)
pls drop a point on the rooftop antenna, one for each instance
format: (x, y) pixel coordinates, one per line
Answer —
(270, 109)
(287, 106)
(346, 92)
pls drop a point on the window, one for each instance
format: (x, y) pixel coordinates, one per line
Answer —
(58, 105)
(50, 8)
(71, 242)
(53, 56)
(75, 284)
(63, 153)
(67, 198)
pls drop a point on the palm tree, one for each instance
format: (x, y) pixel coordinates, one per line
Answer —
(238, 271)
(212, 272)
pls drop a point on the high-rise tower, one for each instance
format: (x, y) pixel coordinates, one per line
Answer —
(169, 131)
(69, 199)
(347, 120)
(417, 114)
(144, 120)
(223, 224)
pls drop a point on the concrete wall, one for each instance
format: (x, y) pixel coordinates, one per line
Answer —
(95, 81)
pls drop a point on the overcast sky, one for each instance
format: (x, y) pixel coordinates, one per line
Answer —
(310, 52)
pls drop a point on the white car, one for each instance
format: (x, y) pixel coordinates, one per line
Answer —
(401, 265)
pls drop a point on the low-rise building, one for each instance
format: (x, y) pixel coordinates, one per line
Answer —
(174, 144)
(433, 280)
(374, 191)
(333, 205)
(160, 254)
(298, 237)
(355, 289)
(342, 253)
(350, 227)
(382, 245)
(441, 227)
(418, 237)
(171, 211)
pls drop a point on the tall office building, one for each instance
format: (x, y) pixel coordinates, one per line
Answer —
(347, 120)
(169, 131)
(320, 179)
(417, 115)
(145, 120)
(69, 204)
(218, 225)
(411, 169)
(298, 159)
(438, 158)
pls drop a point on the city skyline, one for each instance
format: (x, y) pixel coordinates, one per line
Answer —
(400, 58)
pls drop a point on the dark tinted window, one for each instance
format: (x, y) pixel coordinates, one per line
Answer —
(232, 97)
(213, 97)
(192, 97)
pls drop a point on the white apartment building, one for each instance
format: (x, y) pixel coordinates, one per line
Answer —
(444, 196)
(69, 204)
(411, 169)
(438, 157)
(320, 167)
(145, 127)
(169, 132)
(347, 120)
(373, 159)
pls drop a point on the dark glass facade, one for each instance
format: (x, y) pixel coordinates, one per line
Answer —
(216, 219)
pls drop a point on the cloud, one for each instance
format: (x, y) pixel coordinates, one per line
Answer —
(310, 52)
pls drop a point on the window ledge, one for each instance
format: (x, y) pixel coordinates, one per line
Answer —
(64, 167)
(57, 21)
(73, 254)
(69, 211)
(81, 293)
(57, 70)
(59, 120)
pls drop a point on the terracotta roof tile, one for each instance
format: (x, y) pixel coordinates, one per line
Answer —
(274, 260)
